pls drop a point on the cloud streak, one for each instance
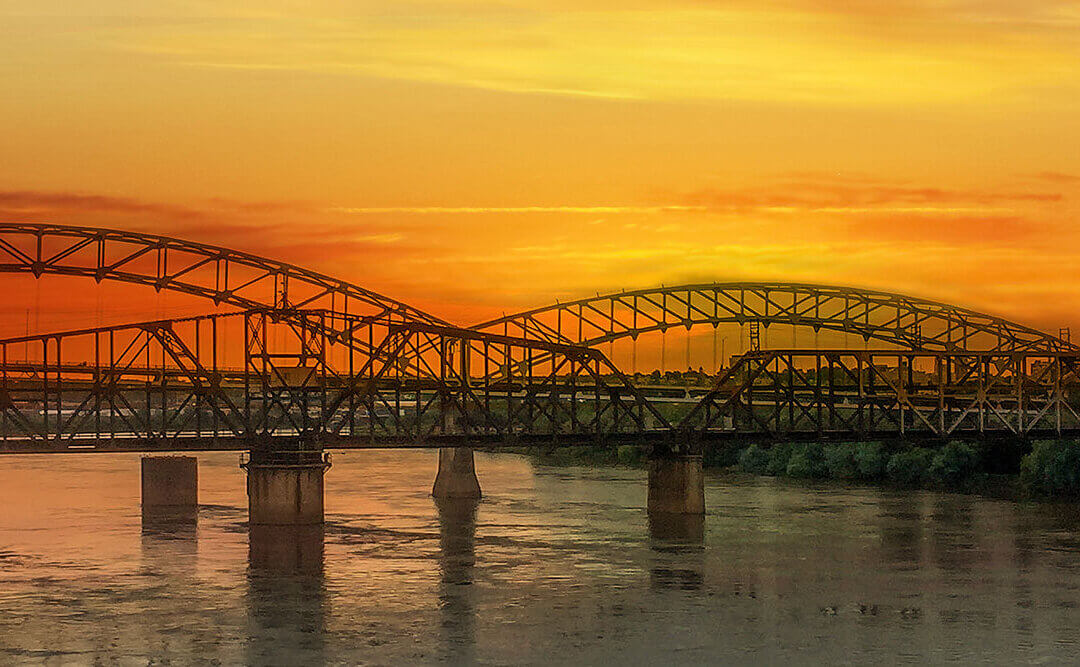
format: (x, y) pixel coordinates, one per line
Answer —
(15, 202)
(877, 53)
(367, 210)
(800, 193)
(1058, 177)
(298, 231)
(827, 193)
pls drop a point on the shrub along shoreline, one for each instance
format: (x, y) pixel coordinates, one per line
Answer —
(1050, 469)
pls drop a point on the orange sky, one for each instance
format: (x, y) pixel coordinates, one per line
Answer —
(477, 157)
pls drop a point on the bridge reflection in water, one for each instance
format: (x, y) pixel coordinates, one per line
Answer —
(287, 596)
(457, 561)
(170, 536)
(678, 544)
(303, 362)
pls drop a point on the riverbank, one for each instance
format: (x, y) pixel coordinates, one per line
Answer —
(1049, 469)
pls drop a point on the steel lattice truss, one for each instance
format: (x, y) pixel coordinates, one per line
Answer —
(896, 320)
(793, 394)
(175, 385)
(218, 274)
(322, 363)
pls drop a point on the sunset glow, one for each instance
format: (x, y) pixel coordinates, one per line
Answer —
(533, 332)
(431, 150)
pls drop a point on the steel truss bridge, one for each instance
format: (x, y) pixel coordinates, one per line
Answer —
(302, 360)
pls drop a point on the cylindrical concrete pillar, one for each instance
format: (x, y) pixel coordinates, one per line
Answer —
(676, 485)
(669, 527)
(457, 474)
(285, 495)
(170, 482)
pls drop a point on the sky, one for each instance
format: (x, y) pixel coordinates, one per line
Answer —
(474, 158)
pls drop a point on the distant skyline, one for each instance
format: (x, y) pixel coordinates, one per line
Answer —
(470, 157)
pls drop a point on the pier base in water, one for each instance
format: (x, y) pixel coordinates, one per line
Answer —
(682, 528)
(457, 474)
(284, 494)
(676, 485)
(170, 486)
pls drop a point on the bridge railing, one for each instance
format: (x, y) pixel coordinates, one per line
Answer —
(437, 381)
(240, 380)
(866, 394)
(255, 375)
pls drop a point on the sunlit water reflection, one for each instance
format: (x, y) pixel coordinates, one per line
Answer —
(555, 565)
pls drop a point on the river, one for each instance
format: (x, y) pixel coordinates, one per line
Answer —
(554, 566)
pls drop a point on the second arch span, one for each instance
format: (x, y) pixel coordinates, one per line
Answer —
(899, 321)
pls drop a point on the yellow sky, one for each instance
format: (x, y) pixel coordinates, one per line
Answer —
(475, 157)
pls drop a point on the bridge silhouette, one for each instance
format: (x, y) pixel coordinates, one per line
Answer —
(322, 363)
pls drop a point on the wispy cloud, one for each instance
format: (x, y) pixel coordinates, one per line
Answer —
(955, 230)
(362, 210)
(1058, 177)
(301, 230)
(876, 53)
(792, 194)
(15, 203)
(832, 193)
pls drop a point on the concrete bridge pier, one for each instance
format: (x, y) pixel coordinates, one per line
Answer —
(285, 488)
(170, 488)
(457, 474)
(677, 528)
(676, 485)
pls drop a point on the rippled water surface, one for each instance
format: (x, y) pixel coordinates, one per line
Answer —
(555, 565)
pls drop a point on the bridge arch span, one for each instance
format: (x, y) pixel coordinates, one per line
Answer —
(896, 320)
(215, 273)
